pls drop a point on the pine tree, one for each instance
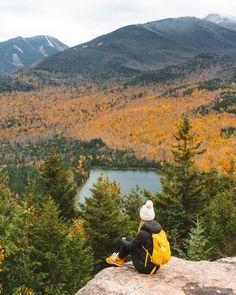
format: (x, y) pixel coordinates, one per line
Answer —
(170, 213)
(81, 264)
(4, 184)
(64, 264)
(46, 236)
(197, 245)
(131, 205)
(183, 186)
(105, 224)
(57, 184)
(15, 270)
(221, 222)
(190, 184)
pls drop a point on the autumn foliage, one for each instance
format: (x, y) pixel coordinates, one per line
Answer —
(136, 118)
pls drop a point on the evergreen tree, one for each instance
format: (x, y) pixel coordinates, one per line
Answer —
(189, 183)
(131, 205)
(170, 213)
(105, 224)
(16, 269)
(19, 175)
(81, 263)
(64, 263)
(221, 222)
(183, 186)
(57, 184)
(4, 184)
(197, 245)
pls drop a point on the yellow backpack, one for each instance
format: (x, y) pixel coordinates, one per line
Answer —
(161, 250)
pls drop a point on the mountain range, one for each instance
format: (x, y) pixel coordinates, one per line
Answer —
(144, 47)
(19, 52)
(133, 50)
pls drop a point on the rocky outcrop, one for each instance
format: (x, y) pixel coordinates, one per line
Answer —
(178, 277)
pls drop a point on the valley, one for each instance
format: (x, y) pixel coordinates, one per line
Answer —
(136, 118)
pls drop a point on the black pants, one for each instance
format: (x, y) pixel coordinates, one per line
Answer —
(138, 256)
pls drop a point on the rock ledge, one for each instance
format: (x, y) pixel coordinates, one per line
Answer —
(178, 277)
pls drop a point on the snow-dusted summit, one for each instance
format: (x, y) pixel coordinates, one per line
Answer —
(19, 52)
(226, 21)
(143, 47)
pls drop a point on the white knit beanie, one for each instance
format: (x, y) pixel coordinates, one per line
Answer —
(147, 212)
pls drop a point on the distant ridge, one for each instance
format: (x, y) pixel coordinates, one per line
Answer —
(143, 47)
(19, 52)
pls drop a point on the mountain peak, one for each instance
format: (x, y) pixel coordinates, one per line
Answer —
(50, 41)
(18, 52)
(226, 21)
(218, 18)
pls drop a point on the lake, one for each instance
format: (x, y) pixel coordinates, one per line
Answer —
(127, 179)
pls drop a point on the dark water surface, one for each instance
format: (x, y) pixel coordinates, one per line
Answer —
(128, 179)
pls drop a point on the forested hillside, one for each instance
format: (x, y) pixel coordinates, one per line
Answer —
(137, 118)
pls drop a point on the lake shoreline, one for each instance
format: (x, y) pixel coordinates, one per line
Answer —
(127, 169)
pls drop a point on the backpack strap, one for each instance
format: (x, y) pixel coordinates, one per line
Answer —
(147, 254)
(146, 260)
(153, 271)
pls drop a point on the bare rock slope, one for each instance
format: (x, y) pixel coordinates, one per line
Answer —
(179, 277)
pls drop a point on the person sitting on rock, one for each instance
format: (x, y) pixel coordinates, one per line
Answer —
(137, 247)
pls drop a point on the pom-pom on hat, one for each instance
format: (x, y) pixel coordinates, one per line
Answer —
(147, 212)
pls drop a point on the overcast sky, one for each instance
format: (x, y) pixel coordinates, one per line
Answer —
(77, 21)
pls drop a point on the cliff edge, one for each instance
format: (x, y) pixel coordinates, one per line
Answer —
(178, 277)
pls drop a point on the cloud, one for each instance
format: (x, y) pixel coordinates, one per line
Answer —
(77, 21)
(19, 7)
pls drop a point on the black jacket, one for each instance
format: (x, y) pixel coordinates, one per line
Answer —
(143, 239)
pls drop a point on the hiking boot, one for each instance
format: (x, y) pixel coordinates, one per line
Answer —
(115, 260)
